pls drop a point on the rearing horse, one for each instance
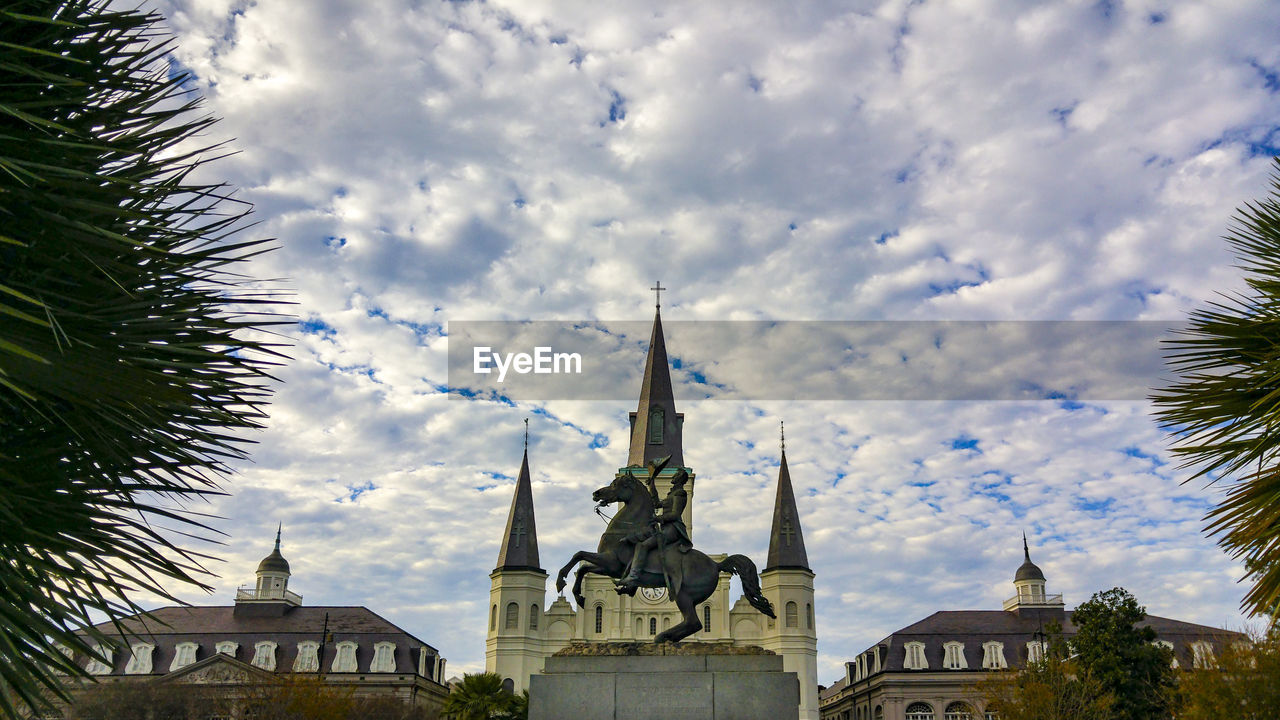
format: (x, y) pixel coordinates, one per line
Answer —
(693, 575)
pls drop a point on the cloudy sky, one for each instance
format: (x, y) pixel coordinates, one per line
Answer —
(429, 163)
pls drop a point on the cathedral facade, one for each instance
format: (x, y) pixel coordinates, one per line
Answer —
(523, 630)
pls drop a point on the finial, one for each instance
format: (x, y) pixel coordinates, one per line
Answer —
(782, 431)
(1026, 552)
(279, 527)
(526, 434)
(657, 288)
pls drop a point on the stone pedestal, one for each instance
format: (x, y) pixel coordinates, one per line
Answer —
(629, 681)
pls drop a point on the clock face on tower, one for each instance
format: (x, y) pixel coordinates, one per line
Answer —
(653, 595)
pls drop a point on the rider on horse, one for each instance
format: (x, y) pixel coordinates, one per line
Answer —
(667, 528)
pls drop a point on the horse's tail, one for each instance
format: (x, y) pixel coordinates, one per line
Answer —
(742, 566)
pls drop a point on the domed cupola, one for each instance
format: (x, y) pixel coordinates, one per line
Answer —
(273, 573)
(1027, 571)
(1030, 585)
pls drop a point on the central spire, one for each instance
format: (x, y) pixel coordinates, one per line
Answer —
(655, 425)
(520, 543)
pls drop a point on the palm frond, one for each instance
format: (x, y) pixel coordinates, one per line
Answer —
(131, 358)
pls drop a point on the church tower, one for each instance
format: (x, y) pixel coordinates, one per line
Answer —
(656, 428)
(517, 588)
(787, 581)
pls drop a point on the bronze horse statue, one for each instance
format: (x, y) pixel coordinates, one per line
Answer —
(689, 576)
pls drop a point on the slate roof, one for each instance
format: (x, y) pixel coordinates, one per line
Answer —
(656, 393)
(207, 626)
(520, 542)
(786, 541)
(1015, 629)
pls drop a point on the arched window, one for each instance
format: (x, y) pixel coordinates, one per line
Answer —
(793, 612)
(306, 660)
(655, 426)
(639, 626)
(914, 659)
(653, 626)
(345, 659)
(533, 617)
(958, 711)
(879, 713)
(227, 647)
(919, 711)
(512, 620)
(706, 618)
(599, 619)
(808, 612)
(493, 618)
(384, 657)
(1035, 651)
(264, 655)
(140, 659)
(993, 656)
(1202, 655)
(184, 654)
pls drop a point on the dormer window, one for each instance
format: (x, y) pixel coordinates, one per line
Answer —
(345, 660)
(914, 659)
(264, 655)
(140, 659)
(993, 656)
(99, 667)
(307, 660)
(384, 657)
(227, 647)
(1035, 651)
(1202, 655)
(656, 418)
(183, 655)
(953, 656)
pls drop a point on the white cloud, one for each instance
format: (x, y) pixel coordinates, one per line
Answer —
(425, 163)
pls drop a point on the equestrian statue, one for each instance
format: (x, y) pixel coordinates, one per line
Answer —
(642, 547)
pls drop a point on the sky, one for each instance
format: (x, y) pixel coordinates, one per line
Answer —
(423, 164)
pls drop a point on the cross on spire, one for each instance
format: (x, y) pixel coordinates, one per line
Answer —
(526, 434)
(657, 288)
(782, 432)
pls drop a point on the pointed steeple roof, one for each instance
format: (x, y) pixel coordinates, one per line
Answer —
(1028, 570)
(655, 425)
(520, 542)
(275, 562)
(786, 541)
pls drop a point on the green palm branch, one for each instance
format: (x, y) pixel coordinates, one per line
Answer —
(1224, 406)
(132, 356)
(480, 697)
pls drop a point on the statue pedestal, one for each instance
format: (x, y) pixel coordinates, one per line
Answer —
(636, 681)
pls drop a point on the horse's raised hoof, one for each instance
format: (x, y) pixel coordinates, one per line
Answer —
(625, 590)
(560, 585)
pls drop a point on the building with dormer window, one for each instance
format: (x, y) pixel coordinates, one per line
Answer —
(924, 672)
(267, 635)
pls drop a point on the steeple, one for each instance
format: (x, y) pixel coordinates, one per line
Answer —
(520, 543)
(1028, 569)
(275, 562)
(655, 425)
(786, 541)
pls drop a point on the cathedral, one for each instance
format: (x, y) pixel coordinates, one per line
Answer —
(523, 630)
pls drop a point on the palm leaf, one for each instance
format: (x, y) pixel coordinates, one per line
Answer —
(1223, 409)
(129, 360)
